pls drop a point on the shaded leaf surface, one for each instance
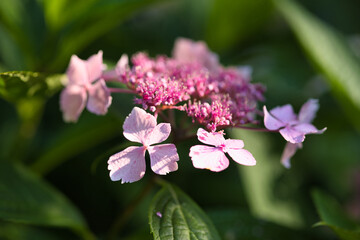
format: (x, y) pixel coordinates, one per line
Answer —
(76, 139)
(241, 224)
(181, 217)
(333, 216)
(28, 199)
(14, 231)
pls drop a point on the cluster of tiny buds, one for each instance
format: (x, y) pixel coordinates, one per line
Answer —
(211, 95)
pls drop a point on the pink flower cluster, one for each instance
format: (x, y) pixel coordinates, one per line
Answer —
(194, 82)
(210, 94)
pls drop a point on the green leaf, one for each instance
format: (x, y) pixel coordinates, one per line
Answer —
(181, 217)
(15, 231)
(241, 224)
(26, 198)
(76, 139)
(330, 53)
(18, 85)
(260, 182)
(333, 216)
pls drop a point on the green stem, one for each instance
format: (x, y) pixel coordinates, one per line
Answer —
(124, 216)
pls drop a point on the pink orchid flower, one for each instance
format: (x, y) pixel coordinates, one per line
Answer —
(85, 88)
(293, 128)
(129, 164)
(214, 158)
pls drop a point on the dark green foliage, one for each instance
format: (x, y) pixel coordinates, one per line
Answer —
(173, 215)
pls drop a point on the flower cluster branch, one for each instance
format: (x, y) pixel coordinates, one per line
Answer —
(192, 81)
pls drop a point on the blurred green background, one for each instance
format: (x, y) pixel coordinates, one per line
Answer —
(298, 50)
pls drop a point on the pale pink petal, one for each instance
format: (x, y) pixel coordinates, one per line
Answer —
(289, 151)
(242, 156)
(271, 122)
(292, 135)
(99, 98)
(127, 165)
(206, 157)
(284, 113)
(122, 65)
(163, 158)
(72, 102)
(77, 71)
(215, 138)
(307, 128)
(183, 50)
(159, 134)
(188, 51)
(138, 125)
(234, 143)
(308, 111)
(94, 66)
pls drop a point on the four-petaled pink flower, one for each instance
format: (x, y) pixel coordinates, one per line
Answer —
(292, 127)
(83, 89)
(214, 158)
(129, 164)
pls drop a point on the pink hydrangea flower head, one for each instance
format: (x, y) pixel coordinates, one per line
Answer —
(188, 51)
(85, 88)
(129, 164)
(292, 127)
(213, 157)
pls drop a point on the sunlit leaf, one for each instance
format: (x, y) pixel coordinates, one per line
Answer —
(330, 53)
(332, 215)
(15, 86)
(173, 215)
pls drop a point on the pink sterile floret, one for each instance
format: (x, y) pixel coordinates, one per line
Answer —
(292, 127)
(129, 164)
(214, 158)
(188, 51)
(85, 87)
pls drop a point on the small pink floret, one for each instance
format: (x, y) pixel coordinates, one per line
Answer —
(214, 158)
(85, 88)
(129, 164)
(291, 126)
(159, 214)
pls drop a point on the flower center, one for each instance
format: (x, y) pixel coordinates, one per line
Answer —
(223, 147)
